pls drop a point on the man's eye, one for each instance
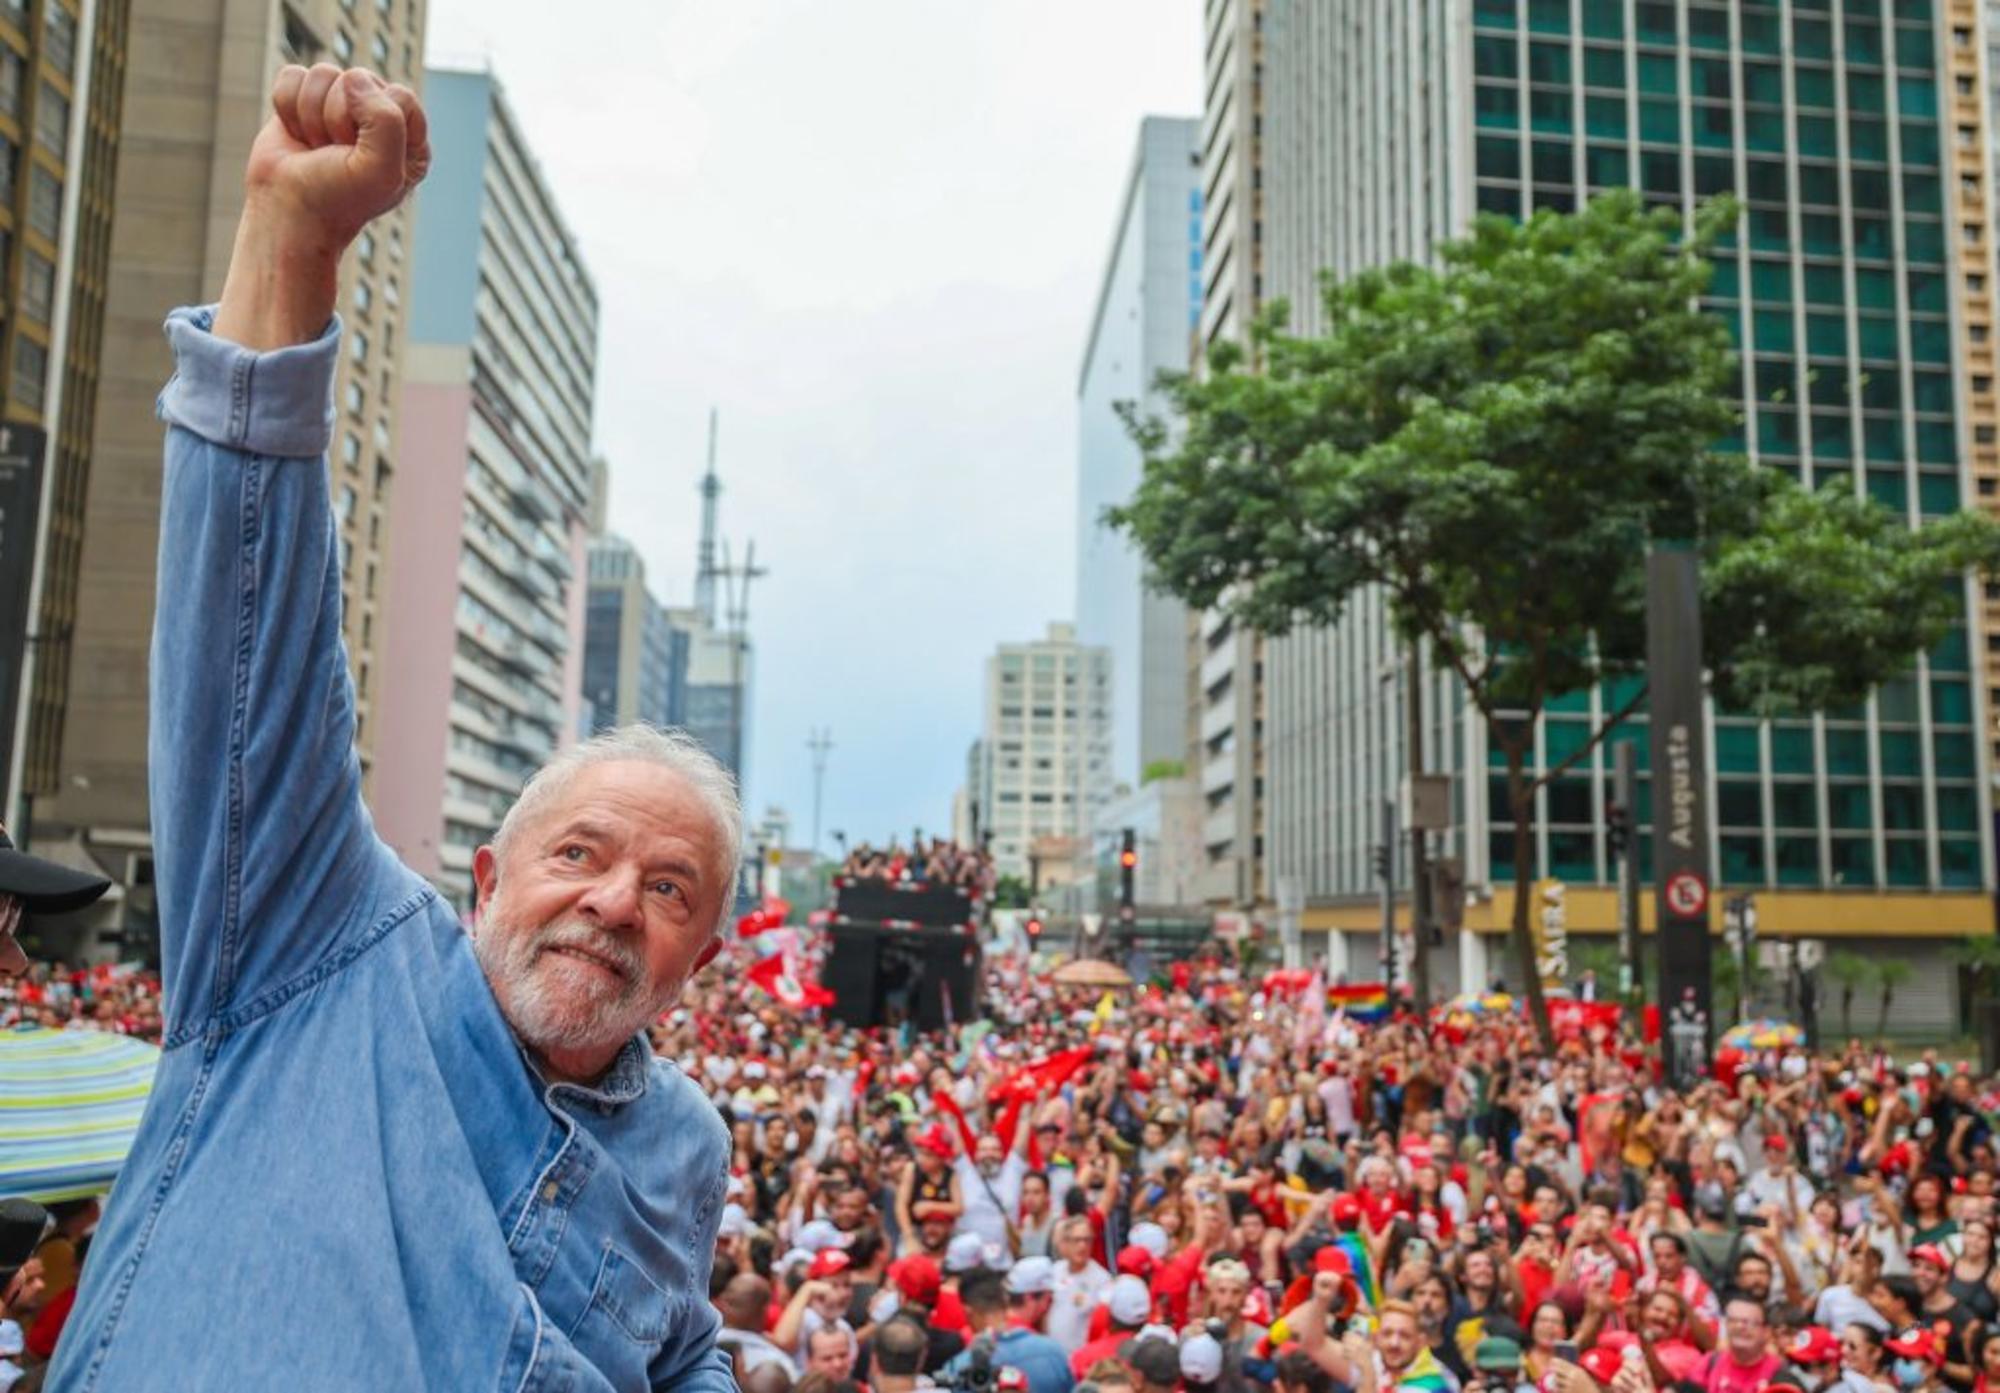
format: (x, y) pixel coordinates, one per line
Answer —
(667, 887)
(573, 852)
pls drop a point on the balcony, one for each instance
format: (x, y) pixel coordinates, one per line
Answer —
(1218, 829)
(1218, 720)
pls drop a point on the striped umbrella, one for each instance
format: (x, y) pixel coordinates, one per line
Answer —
(69, 1103)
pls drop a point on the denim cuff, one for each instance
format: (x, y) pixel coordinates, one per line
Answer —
(276, 403)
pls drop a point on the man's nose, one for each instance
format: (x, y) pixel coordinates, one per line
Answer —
(613, 899)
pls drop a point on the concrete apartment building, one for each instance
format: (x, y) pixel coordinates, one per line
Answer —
(62, 87)
(1045, 753)
(1147, 309)
(1861, 260)
(197, 78)
(634, 658)
(1224, 668)
(491, 541)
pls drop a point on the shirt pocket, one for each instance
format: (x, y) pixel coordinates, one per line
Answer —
(627, 1301)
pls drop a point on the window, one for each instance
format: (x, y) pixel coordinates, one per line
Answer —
(364, 247)
(59, 38)
(350, 450)
(52, 121)
(356, 399)
(31, 369)
(44, 202)
(12, 71)
(357, 346)
(378, 49)
(363, 297)
(343, 47)
(38, 287)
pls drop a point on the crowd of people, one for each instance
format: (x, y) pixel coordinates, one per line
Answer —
(936, 861)
(1205, 1186)
(58, 996)
(1222, 1183)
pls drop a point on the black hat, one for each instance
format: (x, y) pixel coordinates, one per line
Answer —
(43, 887)
(23, 1226)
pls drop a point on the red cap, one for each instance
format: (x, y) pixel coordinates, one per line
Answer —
(829, 1261)
(1776, 1141)
(1332, 1258)
(1600, 1363)
(1136, 1261)
(1346, 1209)
(1932, 1254)
(917, 1277)
(936, 1141)
(1814, 1345)
(1918, 1343)
(1139, 1080)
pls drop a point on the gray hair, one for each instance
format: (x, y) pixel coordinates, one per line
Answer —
(641, 743)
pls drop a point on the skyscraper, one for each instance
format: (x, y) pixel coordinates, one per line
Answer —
(634, 658)
(61, 111)
(1225, 663)
(1841, 287)
(489, 551)
(1146, 311)
(1045, 751)
(196, 89)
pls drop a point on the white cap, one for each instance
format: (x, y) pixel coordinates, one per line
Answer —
(966, 1253)
(1201, 1358)
(1157, 1331)
(735, 1220)
(1151, 1237)
(794, 1257)
(1920, 1070)
(1031, 1276)
(1129, 1301)
(736, 1185)
(821, 1233)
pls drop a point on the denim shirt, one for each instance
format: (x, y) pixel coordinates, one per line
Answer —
(349, 1175)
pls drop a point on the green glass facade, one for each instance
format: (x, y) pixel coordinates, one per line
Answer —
(1822, 117)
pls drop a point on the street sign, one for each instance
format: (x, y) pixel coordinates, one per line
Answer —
(1426, 803)
(21, 451)
(1686, 895)
(1680, 802)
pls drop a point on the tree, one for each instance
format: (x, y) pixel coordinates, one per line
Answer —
(1891, 973)
(1850, 972)
(1490, 445)
(1162, 769)
(1010, 892)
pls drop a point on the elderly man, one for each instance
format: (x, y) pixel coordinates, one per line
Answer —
(441, 1161)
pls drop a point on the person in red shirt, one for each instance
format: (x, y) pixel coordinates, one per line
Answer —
(1129, 1306)
(1745, 1362)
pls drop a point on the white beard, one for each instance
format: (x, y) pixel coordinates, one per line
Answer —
(556, 1003)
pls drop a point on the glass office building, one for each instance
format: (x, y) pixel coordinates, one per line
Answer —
(1854, 289)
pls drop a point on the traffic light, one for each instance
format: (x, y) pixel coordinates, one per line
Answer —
(1034, 927)
(1128, 866)
(1378, 857)
(1617, 827)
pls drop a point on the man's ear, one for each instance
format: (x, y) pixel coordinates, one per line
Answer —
(708, 953)
(485, 880)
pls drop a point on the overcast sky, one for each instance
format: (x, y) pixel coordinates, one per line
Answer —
(871, 232)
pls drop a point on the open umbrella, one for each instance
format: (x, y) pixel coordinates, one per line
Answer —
(1763, 1034)
(69, 1104)
(1091, 972)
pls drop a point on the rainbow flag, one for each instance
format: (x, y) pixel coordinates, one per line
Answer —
(1363, 1001)
(1356, 1249)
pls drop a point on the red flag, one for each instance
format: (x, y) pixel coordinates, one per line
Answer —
(770, 974)
(771, 914)
(1042, 1076)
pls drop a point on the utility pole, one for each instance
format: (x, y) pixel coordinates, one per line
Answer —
(1420, 879)
(1385, 870)
(1620, 825)
(819, 741)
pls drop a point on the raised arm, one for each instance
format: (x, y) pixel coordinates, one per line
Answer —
(265, 858)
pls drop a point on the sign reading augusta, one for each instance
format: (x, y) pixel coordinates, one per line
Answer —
(20, 507)
(1680, 799)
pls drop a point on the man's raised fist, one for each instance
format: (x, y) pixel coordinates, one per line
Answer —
(340, 149)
